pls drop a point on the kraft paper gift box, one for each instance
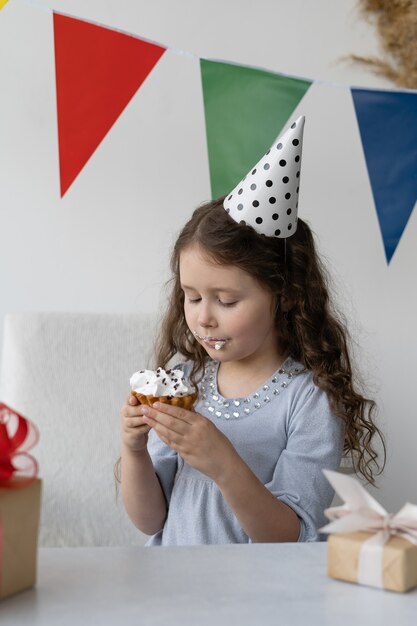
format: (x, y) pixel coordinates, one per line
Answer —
(399, 560)
(20, 502)
(19, 526)
(368, 546)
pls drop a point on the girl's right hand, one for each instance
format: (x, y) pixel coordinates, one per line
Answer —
(134, 430)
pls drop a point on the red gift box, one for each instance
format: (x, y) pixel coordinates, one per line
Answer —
(20, 502)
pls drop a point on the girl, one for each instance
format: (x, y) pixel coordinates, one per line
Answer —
(250, 313)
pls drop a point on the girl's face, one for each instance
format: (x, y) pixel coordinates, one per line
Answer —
(223, 303)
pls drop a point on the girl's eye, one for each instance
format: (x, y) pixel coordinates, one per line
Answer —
(227, 303)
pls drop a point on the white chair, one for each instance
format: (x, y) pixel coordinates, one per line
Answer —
(69, 373)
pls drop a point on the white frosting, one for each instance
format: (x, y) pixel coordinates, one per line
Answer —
(159, 383)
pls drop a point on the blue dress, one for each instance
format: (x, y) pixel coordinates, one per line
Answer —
(285, 432)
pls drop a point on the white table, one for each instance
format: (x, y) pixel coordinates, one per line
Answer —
(234, 585)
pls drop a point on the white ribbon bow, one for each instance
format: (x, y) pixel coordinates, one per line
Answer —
(361, 512)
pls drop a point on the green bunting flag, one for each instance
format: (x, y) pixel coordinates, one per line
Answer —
(245, 110)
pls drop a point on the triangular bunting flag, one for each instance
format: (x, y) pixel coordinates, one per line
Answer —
(388, 127)
(98, 70)
(245, 110)
(2, 3)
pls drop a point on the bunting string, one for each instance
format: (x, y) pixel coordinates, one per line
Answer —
(185, 53)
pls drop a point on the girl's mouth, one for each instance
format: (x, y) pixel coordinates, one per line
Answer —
(212, 342)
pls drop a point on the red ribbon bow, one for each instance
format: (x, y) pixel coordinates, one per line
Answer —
(17, 436)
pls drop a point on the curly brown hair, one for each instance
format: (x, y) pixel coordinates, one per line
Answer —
(311, 331)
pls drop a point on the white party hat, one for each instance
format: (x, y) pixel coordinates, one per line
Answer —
(267, 198)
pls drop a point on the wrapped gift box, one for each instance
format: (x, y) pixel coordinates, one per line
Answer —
(368, 545)
(399, 560)
(19, 526)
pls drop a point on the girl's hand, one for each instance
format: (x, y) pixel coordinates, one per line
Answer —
(194, 437)
(134, 429)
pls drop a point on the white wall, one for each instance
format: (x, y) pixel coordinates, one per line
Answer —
(104, 247)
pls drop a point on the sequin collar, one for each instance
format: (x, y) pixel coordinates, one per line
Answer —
(234, 408)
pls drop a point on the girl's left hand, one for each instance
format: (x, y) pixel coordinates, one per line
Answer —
(193, 436)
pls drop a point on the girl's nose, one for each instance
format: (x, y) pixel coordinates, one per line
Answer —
(205, 316)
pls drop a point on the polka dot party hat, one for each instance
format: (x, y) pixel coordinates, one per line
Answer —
(267, 198)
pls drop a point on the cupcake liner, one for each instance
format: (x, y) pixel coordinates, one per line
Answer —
(184, 402)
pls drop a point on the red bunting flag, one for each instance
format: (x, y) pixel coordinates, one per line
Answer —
(98, 71)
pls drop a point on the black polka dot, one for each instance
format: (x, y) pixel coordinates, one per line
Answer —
(227, 210)
(242, 222)
(275, 216)
(293, 125)
(266, 166)
(297, 158)
(298, 174)
(298, 189)
(254, 171)
(295, 142)
(230, 197)
(289, 211)
(253, 186)
(269, 183)
(272, 200)
(266, 154)
(277, 232)
(287, 196)
(289, 226)
(240, 191)
(285, 179)
(279, 146)
(283, 163)
(255, 203)
(296, 206)
(239, 207)
(259, 220)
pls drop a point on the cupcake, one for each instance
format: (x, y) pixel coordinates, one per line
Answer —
(165, 386)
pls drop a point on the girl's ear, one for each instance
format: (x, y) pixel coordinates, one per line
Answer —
(286, 303)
